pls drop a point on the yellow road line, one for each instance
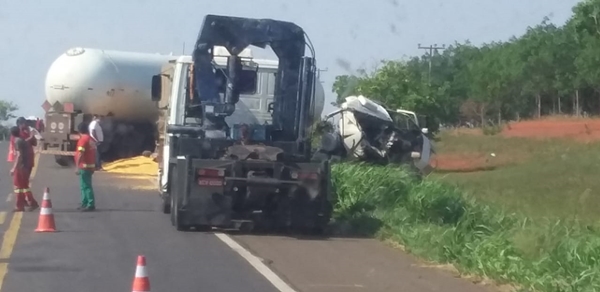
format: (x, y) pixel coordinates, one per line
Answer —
(8, 244)
(3, 271)
(2, 217)
(10, 236)
(36, 159)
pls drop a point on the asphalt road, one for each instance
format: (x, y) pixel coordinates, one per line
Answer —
(97, 251)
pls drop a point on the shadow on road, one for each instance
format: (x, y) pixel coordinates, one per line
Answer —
(366, 227)
(101, 210)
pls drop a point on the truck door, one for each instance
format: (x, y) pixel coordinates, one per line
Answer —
(163, 149)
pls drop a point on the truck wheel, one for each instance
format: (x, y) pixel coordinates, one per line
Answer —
(175, 213)
(166, 203)
(321, 227)
(64, 161)
(172, 212)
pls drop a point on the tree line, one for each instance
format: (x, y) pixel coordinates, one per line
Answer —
(548, 70)
(7, 110)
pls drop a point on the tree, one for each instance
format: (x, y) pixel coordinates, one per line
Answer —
(344, 86)
(546, 71)
(7, 109)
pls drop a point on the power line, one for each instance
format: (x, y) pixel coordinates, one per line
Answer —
(431, 48)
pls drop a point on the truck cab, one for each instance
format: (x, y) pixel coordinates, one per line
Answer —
(413, 119)
(171, 90)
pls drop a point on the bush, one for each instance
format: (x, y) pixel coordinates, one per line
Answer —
(437, 221)
(491, 130)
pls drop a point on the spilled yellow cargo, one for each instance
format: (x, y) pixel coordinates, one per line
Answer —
(135, 166)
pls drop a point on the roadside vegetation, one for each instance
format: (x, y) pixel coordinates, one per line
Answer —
(532, 225)
(549, 178)
(7, 110)
(550, 69)
(516, 202)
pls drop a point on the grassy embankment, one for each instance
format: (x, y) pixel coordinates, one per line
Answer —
(530, 222)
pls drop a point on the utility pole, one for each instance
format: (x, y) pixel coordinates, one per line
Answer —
(430, 48)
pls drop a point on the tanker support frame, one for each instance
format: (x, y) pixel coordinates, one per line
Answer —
(61, 136)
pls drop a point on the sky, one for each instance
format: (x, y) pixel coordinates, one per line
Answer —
(347, 34)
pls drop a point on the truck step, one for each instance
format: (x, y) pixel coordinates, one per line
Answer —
(57, 152)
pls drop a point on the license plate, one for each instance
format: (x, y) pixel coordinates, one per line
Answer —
(210, 182)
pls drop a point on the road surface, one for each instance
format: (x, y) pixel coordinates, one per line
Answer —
(97, 251)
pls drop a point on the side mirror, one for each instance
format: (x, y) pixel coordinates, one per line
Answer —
(234, 70)
(156, 91)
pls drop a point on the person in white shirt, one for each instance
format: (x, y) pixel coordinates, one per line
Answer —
(96, 133)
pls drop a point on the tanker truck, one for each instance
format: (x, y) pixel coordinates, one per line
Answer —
(86, 81)
(83, 82)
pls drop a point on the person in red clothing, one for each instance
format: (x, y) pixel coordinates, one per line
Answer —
(20, 173)
(39, 125)
(85, 159)
(27, 135)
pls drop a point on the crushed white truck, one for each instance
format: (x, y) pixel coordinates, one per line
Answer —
(367, 131)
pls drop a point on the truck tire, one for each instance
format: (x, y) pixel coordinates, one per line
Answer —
(321, 227)
(64, 161)
(176, 215)
(166, 203)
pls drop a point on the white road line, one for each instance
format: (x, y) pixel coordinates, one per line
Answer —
(256, 263)
(10, 197)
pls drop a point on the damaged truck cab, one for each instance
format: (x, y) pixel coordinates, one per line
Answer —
(226, 163)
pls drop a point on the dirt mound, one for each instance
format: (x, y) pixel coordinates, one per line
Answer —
(584, 130)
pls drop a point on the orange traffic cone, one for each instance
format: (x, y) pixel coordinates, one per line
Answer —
(141, 283)
(46, 219)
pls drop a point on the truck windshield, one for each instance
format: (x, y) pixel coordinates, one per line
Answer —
(248, 81)
(404, 121)
(248, 90)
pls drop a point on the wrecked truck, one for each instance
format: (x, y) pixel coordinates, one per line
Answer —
(366, 131)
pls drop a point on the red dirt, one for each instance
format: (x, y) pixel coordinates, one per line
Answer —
(583, 130)
(467, 162)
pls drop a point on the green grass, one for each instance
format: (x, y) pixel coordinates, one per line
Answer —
(546, 179)
(439, 222)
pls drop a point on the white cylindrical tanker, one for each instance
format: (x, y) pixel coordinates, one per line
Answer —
(99, 81)
(319, 101)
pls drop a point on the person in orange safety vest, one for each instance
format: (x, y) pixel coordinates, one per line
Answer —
(85, 158)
